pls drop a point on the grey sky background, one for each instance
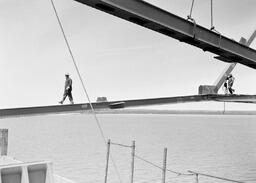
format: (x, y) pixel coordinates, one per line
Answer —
(117, 59)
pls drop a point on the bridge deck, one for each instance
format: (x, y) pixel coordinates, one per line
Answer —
(156, 19)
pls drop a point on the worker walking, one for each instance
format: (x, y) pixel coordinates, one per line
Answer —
(67, 90)
(231, 80)
(229, 84)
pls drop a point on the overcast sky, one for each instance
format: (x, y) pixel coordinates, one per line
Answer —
(117, 59)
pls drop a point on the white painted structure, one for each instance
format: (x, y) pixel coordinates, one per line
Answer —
(14, 171)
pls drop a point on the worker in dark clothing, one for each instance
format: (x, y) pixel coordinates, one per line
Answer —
(226, 86)
(229, 84)
(67, 90)
(231, 80)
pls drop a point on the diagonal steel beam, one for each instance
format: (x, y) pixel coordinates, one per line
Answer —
(219, 82)
(156, 19)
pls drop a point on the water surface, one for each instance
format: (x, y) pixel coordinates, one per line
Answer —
(222, 145)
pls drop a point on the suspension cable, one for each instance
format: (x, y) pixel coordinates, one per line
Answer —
(83, 85)
(212, 27)
(121, 145)
(154, 165)
(191, 10)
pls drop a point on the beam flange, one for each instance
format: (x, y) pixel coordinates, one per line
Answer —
(156, 19)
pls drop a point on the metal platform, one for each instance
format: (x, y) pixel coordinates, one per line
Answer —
(156, 19)
(85, 107)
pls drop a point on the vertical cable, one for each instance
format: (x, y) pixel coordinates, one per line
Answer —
(211, 16)
(191, 9)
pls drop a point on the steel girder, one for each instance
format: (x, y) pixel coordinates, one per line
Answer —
(156, 19)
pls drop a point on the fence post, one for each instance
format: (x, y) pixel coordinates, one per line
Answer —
(3, 141)
(132, 165)
(108, 152)
(164, 165)
(196, 178)
(224, 107)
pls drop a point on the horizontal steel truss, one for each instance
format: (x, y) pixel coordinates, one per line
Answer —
(156, 19)
(124, 104)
